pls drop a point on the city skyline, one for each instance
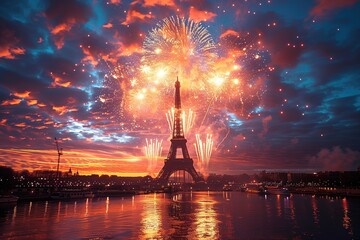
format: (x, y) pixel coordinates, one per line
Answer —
(275, 84)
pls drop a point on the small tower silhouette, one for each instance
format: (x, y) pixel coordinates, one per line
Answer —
(178, 141)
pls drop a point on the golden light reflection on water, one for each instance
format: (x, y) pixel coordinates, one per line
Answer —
(151, 217)
(30, 207)
(14, 215)
(87, 207)
(107, 205)
(206, 223)
(315, 209)
(346, 218)
(278, 205)
(75, 205)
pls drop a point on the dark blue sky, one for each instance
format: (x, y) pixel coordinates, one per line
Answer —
(71, 69)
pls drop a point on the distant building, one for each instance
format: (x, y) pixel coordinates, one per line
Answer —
(45, 173)
(68, 173)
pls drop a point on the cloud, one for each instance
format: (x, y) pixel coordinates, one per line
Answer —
(325, 6)
(9, 47)
(13, 101)
(229, 32)
(116, 2)
(108, 25)
(151, 3)
(265, 122)
(336, 159)
(199, 15)
(134, 15)
(63, 16)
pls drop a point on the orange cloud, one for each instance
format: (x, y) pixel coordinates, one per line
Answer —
(58, 81)
(20, 124)
(63, 27)
(229, 32)
(32, 102)
(22, 95)
(41, 105)
(9, 52)
(151, 3)
(133, 16)
(60, 30)
(325, 6)
(89, 57)
(116, 2)
(128, 50)
(198, 16)
(14, 101)
(41, 127)
(64, 109)
(108, 25)
(8, 46)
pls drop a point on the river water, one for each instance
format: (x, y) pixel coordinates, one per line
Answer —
(196, 215)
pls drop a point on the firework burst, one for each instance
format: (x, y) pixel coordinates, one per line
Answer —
(179, 46)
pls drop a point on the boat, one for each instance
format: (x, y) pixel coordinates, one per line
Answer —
(8, 199)
(253, 187)
(71, 194)
(276, 190)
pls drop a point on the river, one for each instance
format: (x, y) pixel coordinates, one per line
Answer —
(196, 215)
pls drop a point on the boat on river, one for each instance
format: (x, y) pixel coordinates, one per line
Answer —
(276, 190)
(66, 194)
(254, 187)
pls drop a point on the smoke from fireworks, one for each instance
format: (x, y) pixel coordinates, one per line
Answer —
(203, 152)
(188, 120)
(153, 151)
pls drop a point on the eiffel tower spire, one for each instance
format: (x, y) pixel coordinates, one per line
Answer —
(178, 131)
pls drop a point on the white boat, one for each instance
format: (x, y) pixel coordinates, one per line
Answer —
(72, 194)
(8, 199)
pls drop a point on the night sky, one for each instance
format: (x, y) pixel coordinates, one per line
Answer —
(278, 88)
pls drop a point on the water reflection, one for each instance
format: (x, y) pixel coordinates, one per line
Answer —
(315, 210)
(14, 215)
(30, 207)
(346, 218)
(206, 224)
(151, 220)
(196, 215)
(278, 206)
(107, 205)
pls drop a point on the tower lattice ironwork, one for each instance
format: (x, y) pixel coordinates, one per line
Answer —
(178, 141)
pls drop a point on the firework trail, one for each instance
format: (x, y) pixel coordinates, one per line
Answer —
(203, 152)
(153, 149)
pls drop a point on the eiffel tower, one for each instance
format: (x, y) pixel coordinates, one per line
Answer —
(178, 141)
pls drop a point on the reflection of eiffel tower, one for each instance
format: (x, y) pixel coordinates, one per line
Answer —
(178, 141)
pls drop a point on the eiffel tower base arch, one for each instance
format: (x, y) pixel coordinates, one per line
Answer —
(173, 165)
